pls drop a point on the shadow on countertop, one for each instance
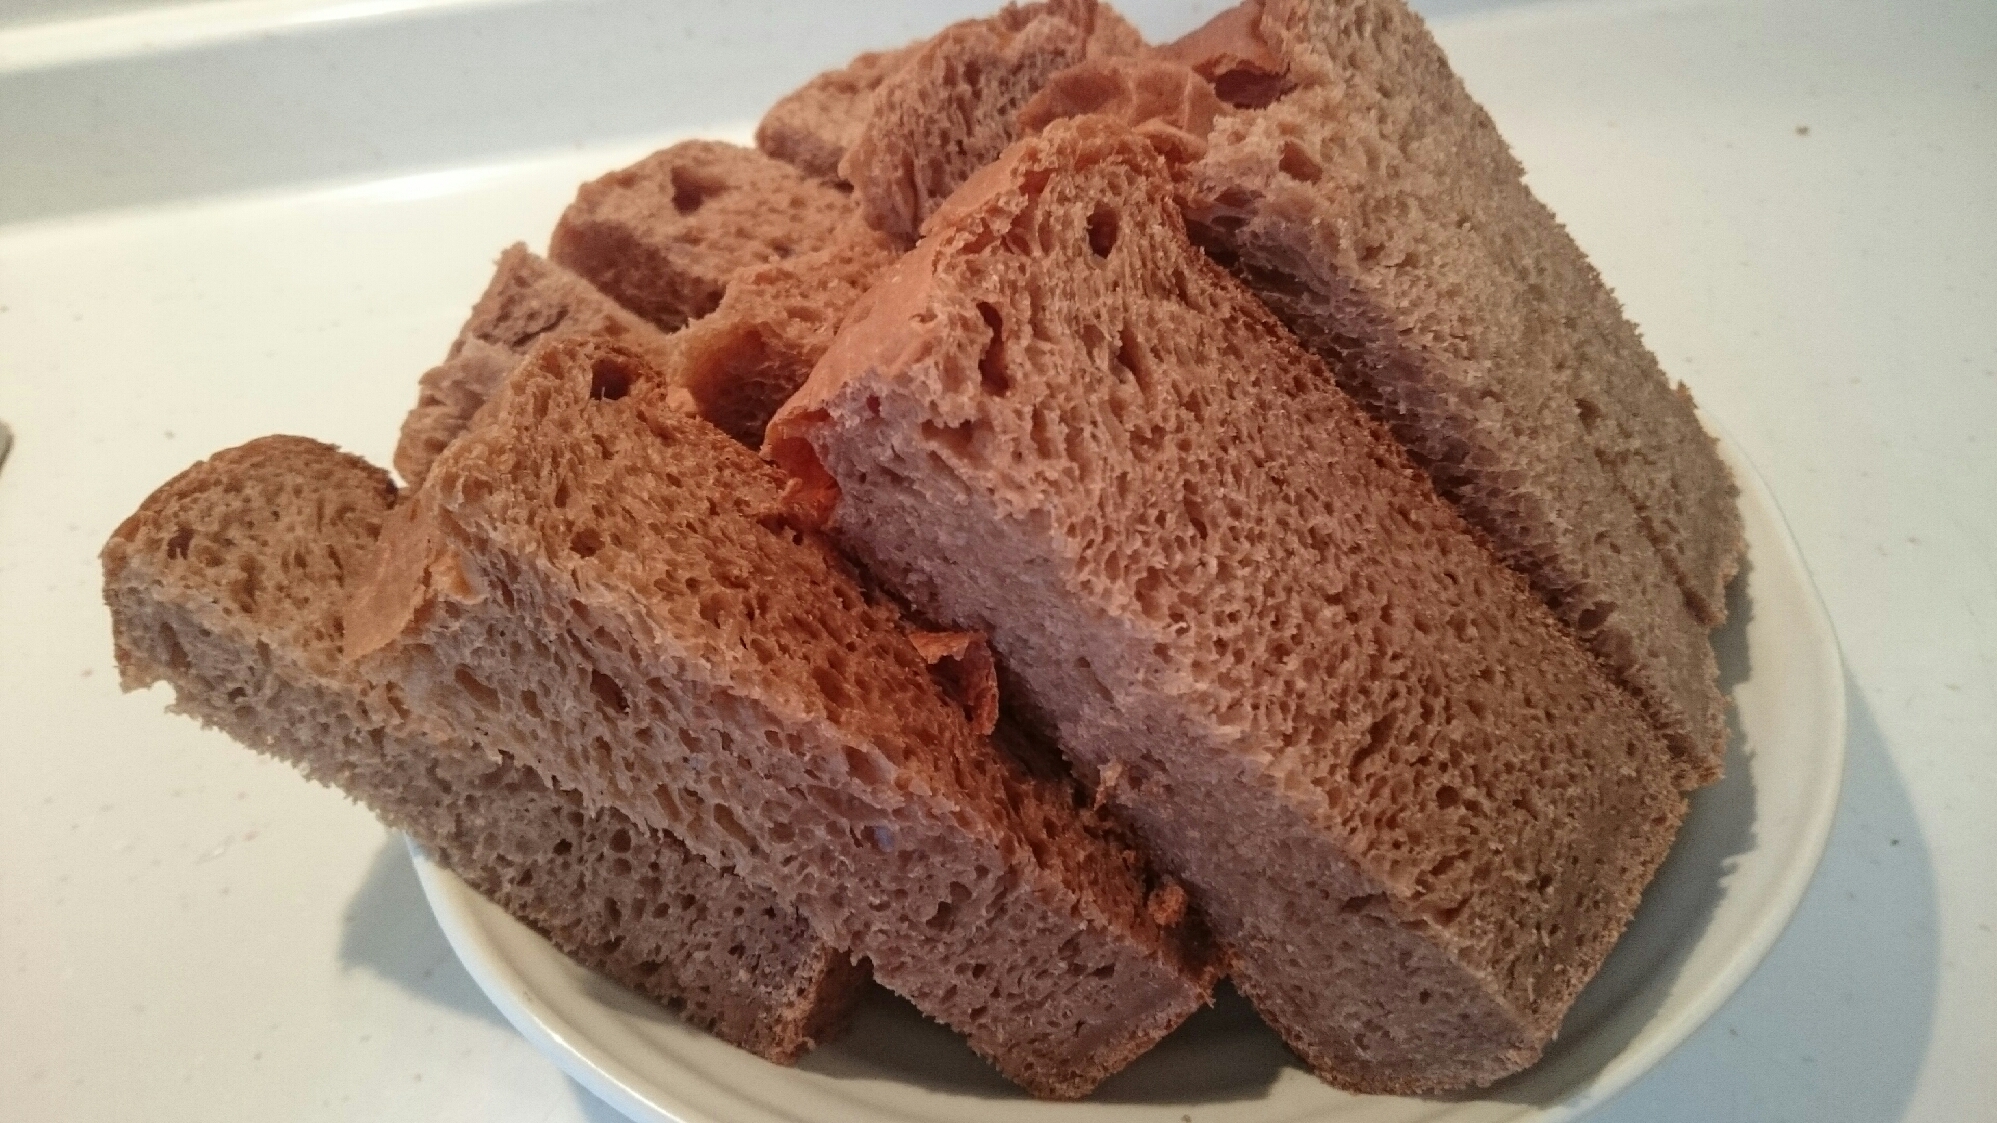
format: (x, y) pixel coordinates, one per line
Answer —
(390, 931)
(1836, 1022)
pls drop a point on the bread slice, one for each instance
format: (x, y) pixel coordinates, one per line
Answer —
(950, 108)
(811, 127)
(1415, 809)
(229, 583)
(662, 236)
(746, 358)
(608, 589)
(528, 298)
(1372, 204)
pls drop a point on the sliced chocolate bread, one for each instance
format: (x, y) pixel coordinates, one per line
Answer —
(528, 298)
(229, 584)
(1372, 204)
(609, 590)
(950, 107)
(1415, 809)
(663, 236)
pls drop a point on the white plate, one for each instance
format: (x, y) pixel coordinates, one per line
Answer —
(1747, 850)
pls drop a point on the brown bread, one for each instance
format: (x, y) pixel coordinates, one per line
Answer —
(608, 589)
(1372, 204)
(1413, 806)
(951, 107)
(229, 584)
(739, 363)
(527, 299)
(662, 236)
(812, 127)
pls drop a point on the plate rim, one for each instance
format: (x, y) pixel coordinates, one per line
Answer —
(610, 1079)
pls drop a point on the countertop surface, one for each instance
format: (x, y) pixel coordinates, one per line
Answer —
(255, 216)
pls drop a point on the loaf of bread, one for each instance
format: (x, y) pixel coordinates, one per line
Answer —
(663, 236)
(1415, 810)
(529, 298)
(610, 591)
(229, 584)
(1371, 203)
(950, 107)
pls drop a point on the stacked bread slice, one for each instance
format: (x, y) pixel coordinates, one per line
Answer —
(1379, 647)
(229, 584)
(1371, 203)
(1414, 808)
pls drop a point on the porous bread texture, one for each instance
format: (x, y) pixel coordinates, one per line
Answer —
(528, 298)
(662, 236)
(1373, 206)
(950, 109)
(1415, 810)
(609, 590)
(1164, 101)
(229, 584)
(746, 358)
(811, 127)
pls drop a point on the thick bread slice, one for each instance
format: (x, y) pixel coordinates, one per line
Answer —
(811, 127)
(950, 108)
(1415, 809)
(1372, 204)
(229, 583)
(662, 236)
(528, 298)
(746, 358)
(607, 589)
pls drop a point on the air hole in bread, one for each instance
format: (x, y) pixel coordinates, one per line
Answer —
(584, 543)
(1365, 902)
(1103, 224)
(176, 547)
(1132, 356)
(832, 686)
(609, 379)
(485, 696)
(957, 438)
(692, 190)
(1246, 88)
(940, 919)
(865, 766)
(608, 692)
(991, 365)
(732, 827)
(1593, 617)
(1298, 164)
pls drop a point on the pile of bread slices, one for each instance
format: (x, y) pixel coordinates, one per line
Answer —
(1060, 522)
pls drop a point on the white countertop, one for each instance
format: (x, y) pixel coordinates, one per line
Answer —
(255, 216)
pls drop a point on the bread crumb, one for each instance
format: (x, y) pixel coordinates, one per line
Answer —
(1802, 130)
